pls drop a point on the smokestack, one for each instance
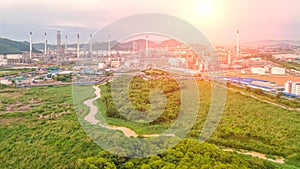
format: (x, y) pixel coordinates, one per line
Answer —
(146, 45)
(229, 58)
(66, 45)
(78, 45)
(109, 44)
(30, 41)
(45, 49)
(91, 45)
(237, 44)
(59, 48)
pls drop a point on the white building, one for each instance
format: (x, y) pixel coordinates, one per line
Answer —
(277, 71)
(292, 87)
(288, 86)
(258, 70)
(14, 56)
(296, 88)
(5, 82)
(101, 65)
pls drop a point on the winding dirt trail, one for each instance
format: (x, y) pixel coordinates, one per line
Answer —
(127, 131)
(280, 160)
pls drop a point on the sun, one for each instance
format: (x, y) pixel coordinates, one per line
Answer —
(205, 8)
(205, 12)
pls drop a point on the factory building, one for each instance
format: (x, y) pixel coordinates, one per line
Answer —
(258, 70)
(296, 88)
(266, 86)
(255, 83)
(292, 88)
(288, 86)
(277, 71)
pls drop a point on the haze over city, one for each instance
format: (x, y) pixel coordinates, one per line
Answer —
(217, 19)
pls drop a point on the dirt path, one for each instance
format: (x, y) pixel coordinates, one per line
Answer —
(256, 154)
(127, 131)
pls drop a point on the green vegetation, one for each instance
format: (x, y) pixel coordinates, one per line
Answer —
(3, 86)
(48, 135)
(8, 72)
(139, 96)
(39, 129)
(187, 154)
(45, 134)
(278, 99)
(246, 123)
(141, 128)
(13, 47)
(63, 78)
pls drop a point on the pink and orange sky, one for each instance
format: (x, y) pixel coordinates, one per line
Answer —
(217, 19)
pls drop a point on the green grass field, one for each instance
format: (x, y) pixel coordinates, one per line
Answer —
(246, 124)
(39, 128)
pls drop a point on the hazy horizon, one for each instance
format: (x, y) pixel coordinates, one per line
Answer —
(217, 20)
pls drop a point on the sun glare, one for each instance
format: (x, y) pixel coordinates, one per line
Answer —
(205, 8)
(205, 12)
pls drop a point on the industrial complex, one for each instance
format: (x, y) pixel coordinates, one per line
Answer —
(57, 64)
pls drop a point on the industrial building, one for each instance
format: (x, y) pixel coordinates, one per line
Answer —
(292, 88)
(255, 83)
(277, 71)
(259, 70)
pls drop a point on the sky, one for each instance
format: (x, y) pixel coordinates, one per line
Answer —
(218, 20)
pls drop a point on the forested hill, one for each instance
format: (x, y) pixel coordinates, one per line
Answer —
(13, 47)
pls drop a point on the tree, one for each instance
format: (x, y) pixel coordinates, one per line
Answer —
(96, 163)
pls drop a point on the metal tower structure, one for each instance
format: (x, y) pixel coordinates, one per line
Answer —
(66, 45)
(45, 45)
(59, 47)
(78, 45)
(30, 45)
(237, 44)
(91, 45)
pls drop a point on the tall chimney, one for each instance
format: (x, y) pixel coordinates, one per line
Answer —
(45, 48)
(91, 45)
(146, 45)
(30, 45)
(78, 45)
(109, 45)
(229, 58)
(66, 45)
(59, 48)
(237, 44)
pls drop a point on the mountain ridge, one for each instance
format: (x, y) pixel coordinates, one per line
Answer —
(8, 46)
